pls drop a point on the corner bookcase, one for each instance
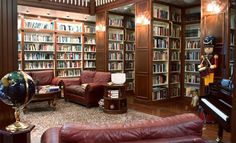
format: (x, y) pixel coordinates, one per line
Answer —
(192, 50)
(65, 46)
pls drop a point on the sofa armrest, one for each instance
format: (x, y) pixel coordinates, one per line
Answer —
(51, 135)
(93, 87)
(57, 81)
(71, 81)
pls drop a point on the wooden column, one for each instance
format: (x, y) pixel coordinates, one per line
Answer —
(233, 125)
(143, 53)
(8, 36)
(101, 42)
(217, 26)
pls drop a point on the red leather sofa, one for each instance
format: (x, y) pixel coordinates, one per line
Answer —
(88, 89)
(185, 128)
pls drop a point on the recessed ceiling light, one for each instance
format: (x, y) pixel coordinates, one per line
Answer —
(67, 16)
(48, 13)
(27, 11)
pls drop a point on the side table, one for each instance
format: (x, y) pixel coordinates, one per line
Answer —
(115, 101)
(15, 137)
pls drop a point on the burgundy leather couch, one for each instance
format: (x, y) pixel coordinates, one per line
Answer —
(185, 128)
(88, 89)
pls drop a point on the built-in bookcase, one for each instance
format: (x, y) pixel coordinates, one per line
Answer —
(167, 45)
(192, 50)
(232, 41)
(65, 46)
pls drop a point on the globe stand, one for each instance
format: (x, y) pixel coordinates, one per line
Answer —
(18, 125)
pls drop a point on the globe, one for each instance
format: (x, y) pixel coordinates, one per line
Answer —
(16, 90)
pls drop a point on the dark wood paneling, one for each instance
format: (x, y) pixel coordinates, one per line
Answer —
(8, 36)
(55, 6)
(142, 82)
(143, 54)
(101, 43)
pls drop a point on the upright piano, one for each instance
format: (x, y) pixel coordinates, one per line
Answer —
(219, 105)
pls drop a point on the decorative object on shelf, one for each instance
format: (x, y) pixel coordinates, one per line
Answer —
(118, 78)
(209, 62)
(16, 90)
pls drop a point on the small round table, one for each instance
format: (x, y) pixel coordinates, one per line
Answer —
(115, 101)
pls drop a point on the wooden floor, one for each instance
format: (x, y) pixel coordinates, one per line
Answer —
(178, 106)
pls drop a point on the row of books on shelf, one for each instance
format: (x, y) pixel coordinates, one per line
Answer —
(69, 48)
(115, 21)
(129, 65)
(174, 78)
(159, 79)
(175, 55)
(130, 36)
(38, 47)
(159, 68)
(70, 27)
(193, 16)
(89, 40)
(160, 43)
(130, 85)
(232, 38)
(35, 24)
(69, 56)
(160, 13)
(89, 29)
(194, 32)
(191, 67)
(129, 47)
(68, 73)
(192, 78)
(175, 32)
(69, 64)
(115, 66)
(192, 44)
(231, 56)
(115, 56)
(175, 44)
(175, 92)
(192, 55)
(34, 37)
(129, 75)
(39, 65)
(159, 93)
(175, 67)
(176, 16)
(160, 55)
(116, 36)
(38, 56)
(90, 48)
(90, 56)
(66, 39)
(129, 56)
(89, 64)
(160, 30)
(115, 46)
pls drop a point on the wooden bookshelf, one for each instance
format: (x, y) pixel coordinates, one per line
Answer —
(192, 50)
(65, 46)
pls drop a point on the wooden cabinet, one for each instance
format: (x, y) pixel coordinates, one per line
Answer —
(67, 47)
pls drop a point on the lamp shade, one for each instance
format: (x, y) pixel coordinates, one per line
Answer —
(118, 78)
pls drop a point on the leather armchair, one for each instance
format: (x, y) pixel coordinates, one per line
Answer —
(88, 89)
(185, 128)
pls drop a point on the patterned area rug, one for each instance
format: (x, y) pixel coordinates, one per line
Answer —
(44, 117)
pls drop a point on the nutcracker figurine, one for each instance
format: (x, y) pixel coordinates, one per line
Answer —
(208, 61)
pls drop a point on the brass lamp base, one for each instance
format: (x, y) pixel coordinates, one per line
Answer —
(17, 126)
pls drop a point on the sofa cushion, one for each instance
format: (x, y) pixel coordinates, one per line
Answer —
(87, 76)
(102, 77)
(43, 77)
(75, 89)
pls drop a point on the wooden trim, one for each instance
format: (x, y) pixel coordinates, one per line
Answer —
(1, 43)
(112, 5)
(54, 6)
